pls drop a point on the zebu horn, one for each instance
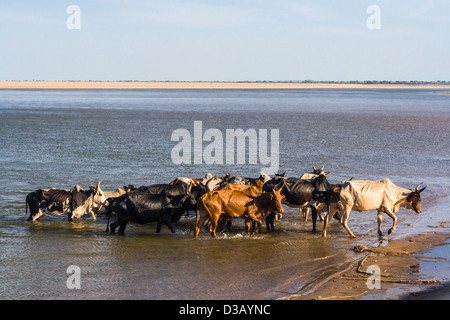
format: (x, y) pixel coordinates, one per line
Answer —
(314, 168)
(98, 184)
(417, 188)
(322, 167)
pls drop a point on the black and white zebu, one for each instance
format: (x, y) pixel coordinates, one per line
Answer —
(75, 202)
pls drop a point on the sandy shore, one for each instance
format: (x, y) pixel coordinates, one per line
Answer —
(200, 85)
(401, 277)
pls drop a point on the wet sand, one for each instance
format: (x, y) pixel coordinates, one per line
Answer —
(401, 278)
(202, 85)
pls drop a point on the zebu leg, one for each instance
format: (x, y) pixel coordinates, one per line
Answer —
(394, 219)
(304, 210)
(379, 220)
(313, 216)
(344, 220)
(114, 225)
(212, 229)
(259, 222)
(123, 225)
(334, 208)
(200, 221)
(325, 222)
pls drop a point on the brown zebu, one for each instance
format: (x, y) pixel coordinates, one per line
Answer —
(233, 204)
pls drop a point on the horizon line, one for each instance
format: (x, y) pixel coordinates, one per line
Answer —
(249, 81)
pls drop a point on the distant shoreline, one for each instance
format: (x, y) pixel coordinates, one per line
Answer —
(205, 85)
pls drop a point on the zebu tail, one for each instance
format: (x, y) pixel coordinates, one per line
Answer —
(196, 230)
(27, 200)
(313, 215)
(200, 220)
(107, 223)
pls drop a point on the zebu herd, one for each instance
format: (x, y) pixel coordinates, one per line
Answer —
(217, 200)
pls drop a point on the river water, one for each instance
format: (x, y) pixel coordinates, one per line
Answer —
(59, 138)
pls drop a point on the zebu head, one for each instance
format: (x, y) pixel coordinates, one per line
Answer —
(414, 199)
(319, 171)
(98, 197)
(198, 190)
(116, 204)
(189, 202)
(227, 177)
(264, 177)
(276, 197)
(320, 182)
(211, 182)
(279, 174)
(87, 202)
(277, 183)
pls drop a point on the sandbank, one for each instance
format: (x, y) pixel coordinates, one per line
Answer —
(203, 85)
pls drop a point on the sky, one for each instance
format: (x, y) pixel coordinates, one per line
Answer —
(228, 40)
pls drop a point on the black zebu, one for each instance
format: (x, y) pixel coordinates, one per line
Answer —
(143, 207)
(76, 202)
(301, 193)
(179, 188)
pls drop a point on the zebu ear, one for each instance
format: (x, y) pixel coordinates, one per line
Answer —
(275, 192)
(92, 188)
(326, 173)
(282, 196)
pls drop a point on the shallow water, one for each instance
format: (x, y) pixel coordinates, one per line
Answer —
(62, 138)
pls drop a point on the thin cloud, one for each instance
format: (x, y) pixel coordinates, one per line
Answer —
(197, 15)
(25, 18)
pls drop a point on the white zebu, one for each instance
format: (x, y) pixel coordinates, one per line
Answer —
(383, 196)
